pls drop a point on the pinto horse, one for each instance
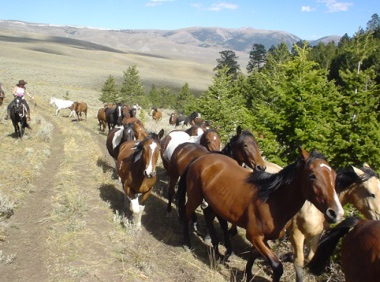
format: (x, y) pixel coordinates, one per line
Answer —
(357, 186)
(136, 167)
(61, 104)
(259, 202)
(18, 116)
(117, 136)
(359, 251)
(186, 153)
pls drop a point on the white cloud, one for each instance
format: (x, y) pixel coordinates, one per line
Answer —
(307, 9)
(222, 5)
(154, 3)
(334, 6)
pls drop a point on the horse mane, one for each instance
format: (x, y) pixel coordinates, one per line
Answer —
(267, 183)
(139, 145)
(345, 178)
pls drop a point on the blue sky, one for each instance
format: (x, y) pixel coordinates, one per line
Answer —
(307, 19)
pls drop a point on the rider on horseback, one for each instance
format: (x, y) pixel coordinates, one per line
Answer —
(20, 91)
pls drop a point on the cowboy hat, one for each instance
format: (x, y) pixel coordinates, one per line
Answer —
(21, 82)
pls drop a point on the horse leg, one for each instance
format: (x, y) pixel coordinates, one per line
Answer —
(227, 242)
(263, 248)
(313, 245)
(297, 239)
(172, 181)
(209, 215)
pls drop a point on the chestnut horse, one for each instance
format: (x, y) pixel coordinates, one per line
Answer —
(136, 167)
(156, 114)
(79, 108)
(259, 202)
(360, 250)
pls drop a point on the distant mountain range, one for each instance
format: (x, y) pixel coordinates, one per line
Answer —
(193, 42)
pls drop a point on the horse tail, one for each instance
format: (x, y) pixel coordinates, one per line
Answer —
(328, 243)
(181, 194)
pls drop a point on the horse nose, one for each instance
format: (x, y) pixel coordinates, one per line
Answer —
(332, 216)
(260, 168)
(149, 174)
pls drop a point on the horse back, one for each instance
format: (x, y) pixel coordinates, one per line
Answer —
(222, 182)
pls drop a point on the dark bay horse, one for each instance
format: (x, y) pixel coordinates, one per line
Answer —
(117, 136)
(18, 116)
(136, 167)
(259, 202)
(114, 116)
(360, 250)
(243, 148)
(357, 186)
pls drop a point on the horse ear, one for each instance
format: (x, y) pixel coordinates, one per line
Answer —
(358, 171)
(365, 165)
(238, 130)
(303, 153)
(161, 133)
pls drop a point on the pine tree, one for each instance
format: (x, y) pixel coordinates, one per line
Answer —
(223, 105)
(132, 89)
(257, 57)
(109, 91)
(228, 60)
(185, 101)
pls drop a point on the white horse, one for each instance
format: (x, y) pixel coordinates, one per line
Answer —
(61, 104)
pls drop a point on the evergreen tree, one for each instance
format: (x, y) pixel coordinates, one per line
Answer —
(223, 105)
(323, 54)
(167, 98)
(185, 101)
(230, 61)
(109, 91)
(154, 97)
(256, 57)
(132, 89)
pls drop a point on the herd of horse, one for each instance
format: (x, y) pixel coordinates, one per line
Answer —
(236, 185)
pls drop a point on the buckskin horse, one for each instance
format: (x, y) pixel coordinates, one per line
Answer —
(18, 116)
(359, 251)
(357, 186)
(136, 167)
(259, 202)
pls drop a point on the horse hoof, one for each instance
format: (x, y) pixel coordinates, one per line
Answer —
(207, 239)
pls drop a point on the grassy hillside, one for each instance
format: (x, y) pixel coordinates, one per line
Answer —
(52, 67)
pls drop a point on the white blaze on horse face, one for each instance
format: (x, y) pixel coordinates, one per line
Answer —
(149, 170)
(336, 198)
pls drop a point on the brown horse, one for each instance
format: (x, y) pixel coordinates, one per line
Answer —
(2, 96)
(244, 149)
(173, 118)
(357, 186)
(360, 250)
(102, 116)
(156, 114)
(136, 167)
(259, 202)
(139, 128)
(79, 108)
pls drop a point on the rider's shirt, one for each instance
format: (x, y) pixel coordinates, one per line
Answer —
(20, 92)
